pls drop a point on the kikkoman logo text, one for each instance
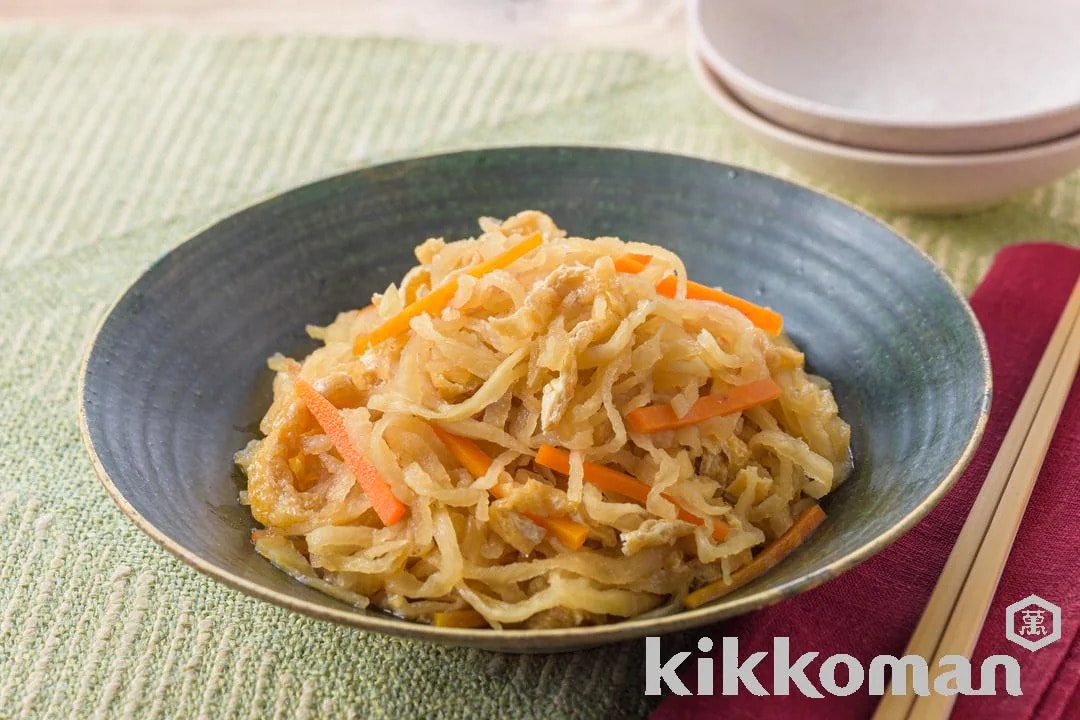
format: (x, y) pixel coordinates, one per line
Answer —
(1031, 623)
(910, 673)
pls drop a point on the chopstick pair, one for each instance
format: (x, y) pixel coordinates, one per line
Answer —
(953, 619)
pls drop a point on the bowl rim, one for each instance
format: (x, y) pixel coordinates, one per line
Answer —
(559, 639)
(807, 107)
(722, 95)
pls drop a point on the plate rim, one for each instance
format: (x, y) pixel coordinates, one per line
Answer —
(541, 639)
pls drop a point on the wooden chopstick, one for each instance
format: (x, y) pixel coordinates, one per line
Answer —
(962, 632)
(971, 573)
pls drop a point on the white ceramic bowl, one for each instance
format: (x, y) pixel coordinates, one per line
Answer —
(923, 76)
(902, 181)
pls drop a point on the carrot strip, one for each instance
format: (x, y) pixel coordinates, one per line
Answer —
(654, 418)
(476, 461)
(458, 619)
(620, 483)
(440, 297)
(765, 318)
(431, 303)
(465, 451)
(388, 507)
(603, 477)
(632, 263)
(507, 256)
(770, 555)
(571, 534)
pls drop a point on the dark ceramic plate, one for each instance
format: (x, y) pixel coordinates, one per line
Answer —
(176, 379)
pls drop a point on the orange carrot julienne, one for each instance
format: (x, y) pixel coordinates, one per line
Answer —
(465, 451)
(765, 318)
(440, 297)
(654, 418)
(620, 483)
(458, 618)
(476, 461)
(507, 256)
(571, 534)
(632, 264)
(388, 507)
(431, 303)
(803, 527)
(603, 477)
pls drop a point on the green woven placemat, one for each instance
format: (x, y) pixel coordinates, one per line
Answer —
(113, 148)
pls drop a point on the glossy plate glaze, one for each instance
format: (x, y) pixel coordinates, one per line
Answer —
(176, 380)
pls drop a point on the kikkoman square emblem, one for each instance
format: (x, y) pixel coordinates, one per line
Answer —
(1033, 623)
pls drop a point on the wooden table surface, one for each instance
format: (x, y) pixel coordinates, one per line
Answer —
(654, 26)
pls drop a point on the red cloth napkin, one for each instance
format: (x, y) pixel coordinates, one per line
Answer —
(873, 609)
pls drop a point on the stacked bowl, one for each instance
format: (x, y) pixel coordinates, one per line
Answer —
(913, 105)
